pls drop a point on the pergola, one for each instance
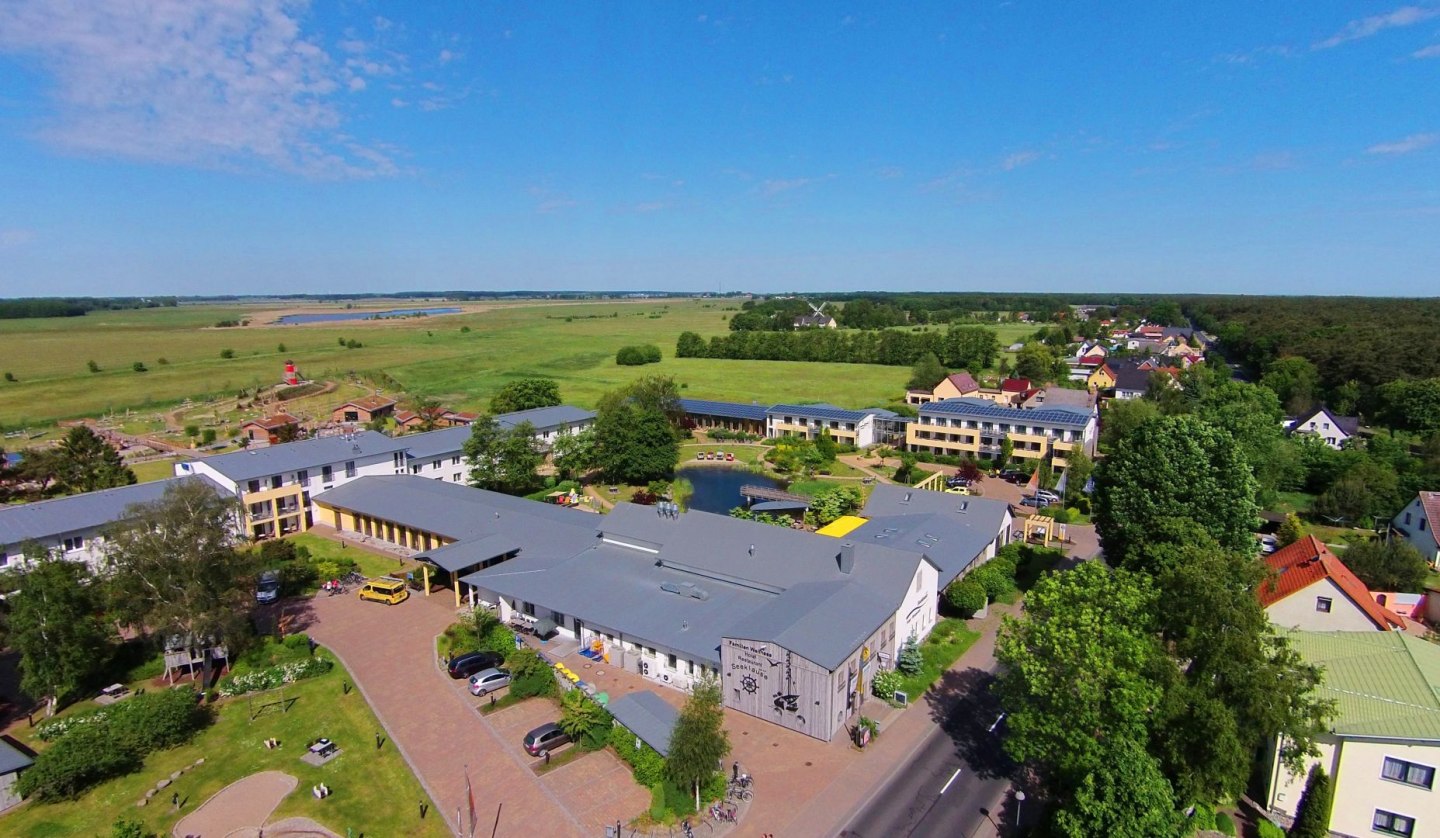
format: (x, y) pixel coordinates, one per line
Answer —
(1044, 526)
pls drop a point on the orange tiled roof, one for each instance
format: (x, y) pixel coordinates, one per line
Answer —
(1298, 566)
(371, 403)
(279, 420)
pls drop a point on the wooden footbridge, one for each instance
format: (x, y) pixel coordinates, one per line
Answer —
(751, 494)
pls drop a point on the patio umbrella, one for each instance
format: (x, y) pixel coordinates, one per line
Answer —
(545, 627)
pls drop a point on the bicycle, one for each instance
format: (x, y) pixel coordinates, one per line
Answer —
(739, 793)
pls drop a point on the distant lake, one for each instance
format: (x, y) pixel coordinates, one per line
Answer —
(363, 315)
(717, 488)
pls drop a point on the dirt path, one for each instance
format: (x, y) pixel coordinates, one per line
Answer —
(244, 804)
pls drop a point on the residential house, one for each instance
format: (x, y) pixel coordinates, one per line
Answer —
(1417, 523)
(851, 427)
(975, 428)
(1060, 397)
(1100, 378)
(550, 423)
(957, 385)
(72, 526)
(274, 484)
(730, 416)
(270, 429)
(1131, 382)
(440, 454)
(815, 320)
(1327, 425)
(1383, 745)
(363, 410)
(1311, 590)
(457, 419)
(1010, 393)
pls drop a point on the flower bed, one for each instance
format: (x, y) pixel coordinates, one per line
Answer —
(274, 676)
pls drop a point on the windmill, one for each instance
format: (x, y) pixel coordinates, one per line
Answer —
(816, 317)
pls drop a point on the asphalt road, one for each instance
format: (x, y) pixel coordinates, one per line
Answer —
(955, 776)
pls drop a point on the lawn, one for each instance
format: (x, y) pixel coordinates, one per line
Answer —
(152, 470)
(370, 564)
(744, 454)
(575, 343)
(946, 643)
(374, 791)
(1296, 502)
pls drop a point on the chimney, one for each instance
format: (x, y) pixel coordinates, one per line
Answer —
(752, 549)
(847, 557)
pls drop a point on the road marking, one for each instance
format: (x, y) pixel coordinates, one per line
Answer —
(951, 780)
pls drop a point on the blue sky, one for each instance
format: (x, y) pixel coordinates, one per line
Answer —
(258, 146)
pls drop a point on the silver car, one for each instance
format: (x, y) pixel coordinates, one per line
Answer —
(489, 680)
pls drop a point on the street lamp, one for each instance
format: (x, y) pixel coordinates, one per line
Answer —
(1019, 799)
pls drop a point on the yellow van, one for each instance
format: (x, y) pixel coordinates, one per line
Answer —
(386, 589)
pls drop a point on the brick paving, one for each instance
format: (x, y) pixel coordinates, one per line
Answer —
(244, 804)
(390, 651)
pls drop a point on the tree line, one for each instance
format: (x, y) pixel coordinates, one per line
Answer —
(30, 307)
(958, 347)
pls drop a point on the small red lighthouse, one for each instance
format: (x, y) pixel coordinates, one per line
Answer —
(291, 376)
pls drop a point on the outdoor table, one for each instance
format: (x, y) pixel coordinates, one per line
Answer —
(114, 690)
(323, 747)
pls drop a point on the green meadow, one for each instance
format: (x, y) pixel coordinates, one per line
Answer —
(461, 359)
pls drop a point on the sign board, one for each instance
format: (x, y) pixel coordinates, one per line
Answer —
(901, 698)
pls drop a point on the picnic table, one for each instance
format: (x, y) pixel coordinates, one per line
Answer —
(323, 748)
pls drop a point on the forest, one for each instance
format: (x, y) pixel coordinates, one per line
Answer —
(23, 308)
(958, 347)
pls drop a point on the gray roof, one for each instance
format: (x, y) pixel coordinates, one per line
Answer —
(423, 446)
(1129, 376)
(1061, 416)
(648, 716)
(819, 411)
(463, 555)
(824, 622)
(309, 453)
(1062, 397)
(950, 530)
(1350, 425)
(727, 410)
(450, 441)
(464, 513)
(618, 584)
(546, 418)
(12, 758)
(76, 513)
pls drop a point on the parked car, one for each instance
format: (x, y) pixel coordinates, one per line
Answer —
(1268, 544)
(463, 666)
(489, 680)
(1013, 476)
(546, 737)
(956, 480)
(267, 587)
(958, 490)
(1047, 497)
(386, 589)
(1031, 500)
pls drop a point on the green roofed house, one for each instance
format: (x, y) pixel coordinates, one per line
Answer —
(1383, 747)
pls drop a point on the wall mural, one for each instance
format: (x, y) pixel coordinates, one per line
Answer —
(757, 666)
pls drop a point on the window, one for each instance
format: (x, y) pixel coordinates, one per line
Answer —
(455, 477)
(75, 543)
(1407, 519)
(455, 460)
(350, 469)
(302, 477)
(672, 662)
(1409, 773)
(276, 482)
(1422, 525)
(254, 485)
(325, 474)
(649, 652)
(1323, 603)
(1393, 824)
(529, 609)
(415, 469)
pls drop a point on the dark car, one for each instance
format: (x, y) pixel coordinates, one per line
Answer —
(956, 481)
(463, 666)
(1012, 476)
(546, 737)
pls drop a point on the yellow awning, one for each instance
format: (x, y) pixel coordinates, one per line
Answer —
(842, 526)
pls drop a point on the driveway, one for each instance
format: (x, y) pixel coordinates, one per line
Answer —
(390, 652)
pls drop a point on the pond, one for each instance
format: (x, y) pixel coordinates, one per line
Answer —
(363, 315)
(717, 488)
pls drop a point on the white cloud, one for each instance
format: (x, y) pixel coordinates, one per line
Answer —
(1414, 142)
(782, 185)
(1018, 159)
(1374, 25)
(183, 82)
(15, 238)
(357, 84)
(1427, 52)
(446, 56)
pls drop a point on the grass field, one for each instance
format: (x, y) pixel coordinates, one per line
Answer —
(574, 343)
(374, 791)
(153, 470)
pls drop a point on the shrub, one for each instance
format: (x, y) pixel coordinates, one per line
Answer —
(10, 376)
(93, 367)
(138, 366)
(644, 761)
(634, 356)
(192, 430)
(1266, 829)
(227, 354)
(207, 436)
(994, 580)
(885, 683)
(910, 661)
(162, 361)
(280, 349)
(966, 596)
(156, 720)
(1225, 824)
(1312, 818)
(87, 755)
(530, 675)
(126, 828)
